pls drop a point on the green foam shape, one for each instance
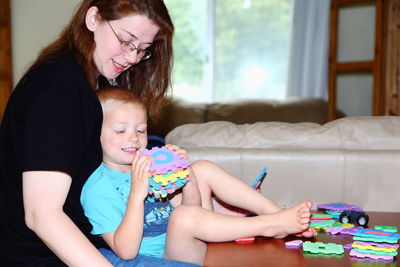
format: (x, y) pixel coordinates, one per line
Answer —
(321, 215)
(324, 248)
(323, 223)
(386, 228)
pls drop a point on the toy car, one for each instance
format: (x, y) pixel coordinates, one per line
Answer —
(355, 217)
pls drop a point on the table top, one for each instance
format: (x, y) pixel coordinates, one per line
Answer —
(272, 252)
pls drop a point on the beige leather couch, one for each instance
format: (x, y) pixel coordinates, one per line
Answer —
(353, 160)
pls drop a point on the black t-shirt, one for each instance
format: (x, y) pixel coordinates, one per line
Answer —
(52, 123)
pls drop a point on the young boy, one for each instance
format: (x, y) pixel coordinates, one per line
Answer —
(116, 201)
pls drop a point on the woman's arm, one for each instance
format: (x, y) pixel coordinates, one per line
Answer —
(44, 194)
(126, 240)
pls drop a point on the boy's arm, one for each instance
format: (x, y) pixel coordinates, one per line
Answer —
(126, 240)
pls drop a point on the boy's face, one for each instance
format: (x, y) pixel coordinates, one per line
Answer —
(123, 133)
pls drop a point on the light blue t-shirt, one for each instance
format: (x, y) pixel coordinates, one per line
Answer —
(104, 199)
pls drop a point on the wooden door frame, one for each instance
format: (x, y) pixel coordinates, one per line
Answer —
(391, 57)
(374, 66)
(5, 54)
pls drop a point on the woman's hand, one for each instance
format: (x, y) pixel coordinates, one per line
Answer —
(140, 176)
(178, 151)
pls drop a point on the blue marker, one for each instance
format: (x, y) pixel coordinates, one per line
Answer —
(258, 181)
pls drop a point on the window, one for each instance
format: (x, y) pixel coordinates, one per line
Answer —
(230, 49)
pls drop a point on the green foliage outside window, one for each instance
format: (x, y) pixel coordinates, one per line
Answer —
(251, 48)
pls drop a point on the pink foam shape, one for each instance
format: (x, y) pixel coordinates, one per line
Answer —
(334, 230)
(355, 253)
(294, 243)
(348, 246)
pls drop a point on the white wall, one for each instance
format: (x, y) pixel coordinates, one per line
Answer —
(35, 23)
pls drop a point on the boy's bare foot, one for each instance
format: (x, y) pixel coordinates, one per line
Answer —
(292, 221)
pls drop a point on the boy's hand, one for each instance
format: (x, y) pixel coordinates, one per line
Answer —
(178, 151)
(140, 176)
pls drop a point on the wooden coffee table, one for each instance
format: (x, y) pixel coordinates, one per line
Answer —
(272, 252)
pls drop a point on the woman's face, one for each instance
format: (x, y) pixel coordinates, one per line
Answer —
(108, 56)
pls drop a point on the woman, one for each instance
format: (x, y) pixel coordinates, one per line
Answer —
(49, 136)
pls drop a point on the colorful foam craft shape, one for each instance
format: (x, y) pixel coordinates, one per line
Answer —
(168, 171)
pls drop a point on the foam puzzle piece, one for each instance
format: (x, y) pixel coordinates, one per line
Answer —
(168, 171)
(339, 207)
(358, 254)
(386, 228)
(349, 225)
(348, 246)
(381, 249)
(324, 248)
(164, 179)
(375, 252)
(164, 160)
(372, 239)
(317, 216)
(369, 243)
(334, 230)
(334, 214)
(321, 223)
(379, 235)
(294, 243)
(351, 230)
(245, 240)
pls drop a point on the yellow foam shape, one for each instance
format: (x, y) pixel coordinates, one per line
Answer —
(347, 225)
(158, 192)
(320, 229)
(385, 249)
(164, 179)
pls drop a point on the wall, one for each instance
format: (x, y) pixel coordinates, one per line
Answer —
(35, 24)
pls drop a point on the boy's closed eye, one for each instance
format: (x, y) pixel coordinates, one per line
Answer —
(119, 130)
(142, 130)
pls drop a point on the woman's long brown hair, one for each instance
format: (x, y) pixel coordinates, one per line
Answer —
(149, 79)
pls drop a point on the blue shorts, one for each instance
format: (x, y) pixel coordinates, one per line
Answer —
(153, 246)
(142, 261)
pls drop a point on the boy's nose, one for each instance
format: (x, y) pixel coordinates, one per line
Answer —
(133, 137)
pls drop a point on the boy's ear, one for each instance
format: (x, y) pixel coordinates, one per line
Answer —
(91, 18)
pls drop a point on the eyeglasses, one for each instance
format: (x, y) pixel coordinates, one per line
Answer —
(128, 47)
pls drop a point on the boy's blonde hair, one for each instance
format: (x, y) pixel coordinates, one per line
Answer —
(112, 94)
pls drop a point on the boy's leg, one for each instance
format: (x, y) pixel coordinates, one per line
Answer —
(213, 179)
(190, 227)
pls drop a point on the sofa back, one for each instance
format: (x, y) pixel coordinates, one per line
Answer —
(181, 112)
